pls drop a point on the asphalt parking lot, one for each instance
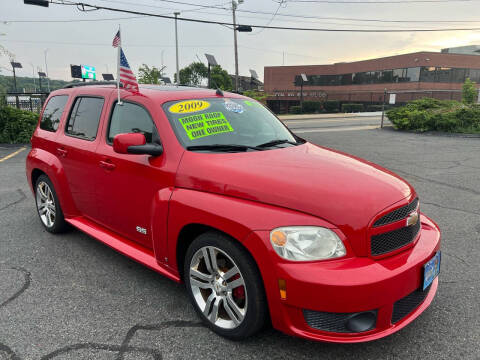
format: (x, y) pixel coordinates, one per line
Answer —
(70, 297)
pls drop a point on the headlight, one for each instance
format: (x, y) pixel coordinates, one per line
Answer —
(306, 243)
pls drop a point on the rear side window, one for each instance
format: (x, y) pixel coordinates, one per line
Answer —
(84, 118)
(53, 112)
(131, 118)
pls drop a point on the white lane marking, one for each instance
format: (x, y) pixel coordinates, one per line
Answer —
(350, 128)
(12, 154)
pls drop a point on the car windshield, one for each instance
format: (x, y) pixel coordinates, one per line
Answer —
(226, 124)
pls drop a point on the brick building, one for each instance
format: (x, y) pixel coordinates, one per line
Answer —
(409, 76)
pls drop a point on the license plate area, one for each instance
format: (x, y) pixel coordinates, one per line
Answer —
(431, 270)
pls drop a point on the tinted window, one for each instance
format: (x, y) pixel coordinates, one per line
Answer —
(413, 74)
(427, 74)
(84, 118)
(131, 118)
(53, 112)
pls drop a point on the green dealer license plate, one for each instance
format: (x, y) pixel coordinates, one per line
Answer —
(431, 270)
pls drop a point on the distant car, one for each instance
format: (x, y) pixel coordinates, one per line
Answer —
(211, 189)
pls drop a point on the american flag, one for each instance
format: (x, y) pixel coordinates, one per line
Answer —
(127, 77)
(116, 40)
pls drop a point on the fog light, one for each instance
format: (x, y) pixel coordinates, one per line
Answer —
(361, 322)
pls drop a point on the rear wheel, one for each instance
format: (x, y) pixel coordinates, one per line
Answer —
(48, 206)
(225, 286)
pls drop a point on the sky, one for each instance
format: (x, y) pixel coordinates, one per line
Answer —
(69, 36)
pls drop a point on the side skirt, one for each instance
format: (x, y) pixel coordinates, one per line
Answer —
(126, 247)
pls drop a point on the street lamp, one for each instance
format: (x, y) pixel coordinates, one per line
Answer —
(240, 28)
(211, 62)
(41, 75)
(176, 46)
(15, 65)
(33, 73)
(46, 70)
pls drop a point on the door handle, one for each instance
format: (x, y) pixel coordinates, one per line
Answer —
(62, 152)
(107, 165)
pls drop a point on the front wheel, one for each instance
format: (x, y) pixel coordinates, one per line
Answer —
(225, 286)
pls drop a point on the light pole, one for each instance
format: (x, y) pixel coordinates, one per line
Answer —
(33, 73)
(46, 70)
(234, 8)
(176, 46)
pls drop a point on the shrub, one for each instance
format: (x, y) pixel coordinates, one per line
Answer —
(16, 126)
(469, 92)
(351, 108)
(295, 109)
(311, 106)
(430, 114)
(331, 106)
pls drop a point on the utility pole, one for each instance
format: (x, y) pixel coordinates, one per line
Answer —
(46, 70)
(234, 8)
(176, 46)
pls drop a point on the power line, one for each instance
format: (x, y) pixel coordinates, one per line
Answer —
(220, 7)
(263, 26)
(378, 2)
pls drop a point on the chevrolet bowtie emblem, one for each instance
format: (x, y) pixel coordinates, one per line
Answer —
(412, 219)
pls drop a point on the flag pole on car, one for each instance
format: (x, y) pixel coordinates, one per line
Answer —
(117, 43)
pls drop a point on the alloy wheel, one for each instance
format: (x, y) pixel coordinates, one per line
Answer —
(46, 204)
(218, 287)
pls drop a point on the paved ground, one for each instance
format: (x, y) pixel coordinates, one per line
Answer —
(70, 297)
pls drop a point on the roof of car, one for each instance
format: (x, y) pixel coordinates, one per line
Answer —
(160, 93)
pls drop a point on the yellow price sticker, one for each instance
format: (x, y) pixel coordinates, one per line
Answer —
(189, 106)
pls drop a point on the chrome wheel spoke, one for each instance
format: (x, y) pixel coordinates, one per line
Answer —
(200, 275)
(199, 284)
(232, 309)
(213, 259)
(206, 259)
(233, 271)
(213, 315)
(208, 304)
(235, 283)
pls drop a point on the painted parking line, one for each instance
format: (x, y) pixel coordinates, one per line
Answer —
(12, 154)
(345, 128)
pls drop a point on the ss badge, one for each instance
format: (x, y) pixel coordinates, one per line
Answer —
(142, 230)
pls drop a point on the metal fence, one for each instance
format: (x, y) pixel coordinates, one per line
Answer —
(26, 101)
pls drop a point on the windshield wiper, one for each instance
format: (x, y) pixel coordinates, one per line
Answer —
(276, 142)
(223, 147)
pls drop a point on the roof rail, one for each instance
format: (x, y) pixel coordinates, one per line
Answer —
(92, 83)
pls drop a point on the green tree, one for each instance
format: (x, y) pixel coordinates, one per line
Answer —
(150, 75)
(469, 92)
(193, 74)
(220, 78)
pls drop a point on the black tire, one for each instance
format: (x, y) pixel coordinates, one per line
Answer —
(255, 299)
(59, 224)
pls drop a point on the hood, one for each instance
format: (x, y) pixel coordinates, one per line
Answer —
(341, 189)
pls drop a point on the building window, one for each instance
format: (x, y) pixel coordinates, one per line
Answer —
(474, 75)
(458, 75)
(413, 74)
(443, 74)
(427, 74)
(399, 75)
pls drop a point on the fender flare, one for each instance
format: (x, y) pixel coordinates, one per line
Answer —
(53, 168)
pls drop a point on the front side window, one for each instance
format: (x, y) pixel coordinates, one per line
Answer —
(131, 118)
(224, 121)
(85, 117)
(53, 113)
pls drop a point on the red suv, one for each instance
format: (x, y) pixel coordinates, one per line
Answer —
(211, 189)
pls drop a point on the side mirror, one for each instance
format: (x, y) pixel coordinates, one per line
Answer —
(135, 143)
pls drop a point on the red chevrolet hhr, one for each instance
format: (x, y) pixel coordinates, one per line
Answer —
(211, 189)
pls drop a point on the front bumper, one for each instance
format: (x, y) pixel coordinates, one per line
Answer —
(350, 285)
